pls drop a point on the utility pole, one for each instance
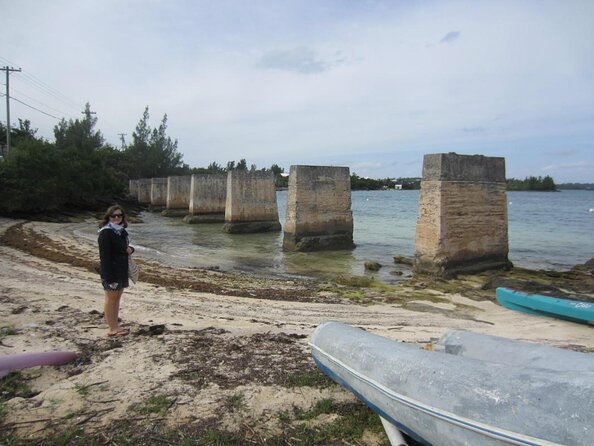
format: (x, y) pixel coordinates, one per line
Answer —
(8, 71)
(122, 138)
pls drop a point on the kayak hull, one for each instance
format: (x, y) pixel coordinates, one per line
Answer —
(539, 305)
(447, 400)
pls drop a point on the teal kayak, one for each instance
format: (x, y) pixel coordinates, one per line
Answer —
(539, 305)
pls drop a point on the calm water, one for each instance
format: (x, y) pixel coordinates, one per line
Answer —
(546, 231)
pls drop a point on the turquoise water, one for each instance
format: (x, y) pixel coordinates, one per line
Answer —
(546, 231)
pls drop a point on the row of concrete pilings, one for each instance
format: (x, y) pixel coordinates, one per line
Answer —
(462, 215)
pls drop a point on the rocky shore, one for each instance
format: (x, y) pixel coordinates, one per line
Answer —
(219, 358)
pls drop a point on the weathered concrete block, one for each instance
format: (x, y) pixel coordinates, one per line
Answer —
(178, 196)
(133, 188)
(208, 195)
(462, 221)
(251, 202)
(158, 191)
(144, 190)
(319, 212)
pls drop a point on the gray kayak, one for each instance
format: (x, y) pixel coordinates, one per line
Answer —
(511, 352)
(448, 400)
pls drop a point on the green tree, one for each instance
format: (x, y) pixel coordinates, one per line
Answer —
(30, 178)
(152, 153)
(85, 168)
(79, 134)
(17, 134)
(532, 183)
(215, 168)
(279, 180)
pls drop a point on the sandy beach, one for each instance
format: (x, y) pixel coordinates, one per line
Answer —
(231, 365)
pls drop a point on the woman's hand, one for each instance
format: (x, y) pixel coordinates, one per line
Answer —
(130, 250)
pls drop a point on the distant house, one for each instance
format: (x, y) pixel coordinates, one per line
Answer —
(398, 186)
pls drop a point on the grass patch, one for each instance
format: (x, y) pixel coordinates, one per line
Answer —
(313, 378)
(322, 406)
(235, 401)
(82, 390)
(15, 384)
(7, 331)
(66, 437)
(158, 404)
(354, 420)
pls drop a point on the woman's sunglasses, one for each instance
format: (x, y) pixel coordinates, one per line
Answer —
(117, 215)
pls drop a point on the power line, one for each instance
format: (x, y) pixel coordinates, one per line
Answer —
(30, 106)
(44, 88)
(39, 102)
(56, 94)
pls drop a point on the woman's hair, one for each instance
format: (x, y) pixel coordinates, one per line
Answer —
(110, 210)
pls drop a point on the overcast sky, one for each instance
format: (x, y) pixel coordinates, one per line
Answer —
(372, 85)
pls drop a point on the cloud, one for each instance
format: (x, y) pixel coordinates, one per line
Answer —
(300, 59)
(450, 37)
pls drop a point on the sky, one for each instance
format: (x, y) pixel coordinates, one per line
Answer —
(369, 84)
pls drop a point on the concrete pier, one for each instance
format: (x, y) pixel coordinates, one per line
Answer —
(158, 192)
(319, 215)
(208, 195)
(144, 190)
(178, 196)
(462, 220)
(251, 202)
(133, 188)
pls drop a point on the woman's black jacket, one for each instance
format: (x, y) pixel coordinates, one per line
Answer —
(114, 255)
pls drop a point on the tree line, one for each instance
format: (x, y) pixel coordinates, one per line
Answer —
(542, 184)
(80, 171)
(528, 184)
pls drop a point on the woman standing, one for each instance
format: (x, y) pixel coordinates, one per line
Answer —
(114, 250)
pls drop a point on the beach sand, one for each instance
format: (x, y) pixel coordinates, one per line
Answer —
(233, 360)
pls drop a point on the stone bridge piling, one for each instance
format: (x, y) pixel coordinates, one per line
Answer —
(208, 195)
(319, 215)
(462, 215)
(178, 196)
(250, 204)
(144, 190)
(159, 192)
(133, 188)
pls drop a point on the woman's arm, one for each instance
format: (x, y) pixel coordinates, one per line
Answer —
(105, 254)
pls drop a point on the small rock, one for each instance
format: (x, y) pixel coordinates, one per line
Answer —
(19, 310)
(157, 329)
(403, 260)
(372, 266)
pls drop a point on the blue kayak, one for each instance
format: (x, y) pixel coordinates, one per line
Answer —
(539, 305)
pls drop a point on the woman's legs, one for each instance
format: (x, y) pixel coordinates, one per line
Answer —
(111, 309)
